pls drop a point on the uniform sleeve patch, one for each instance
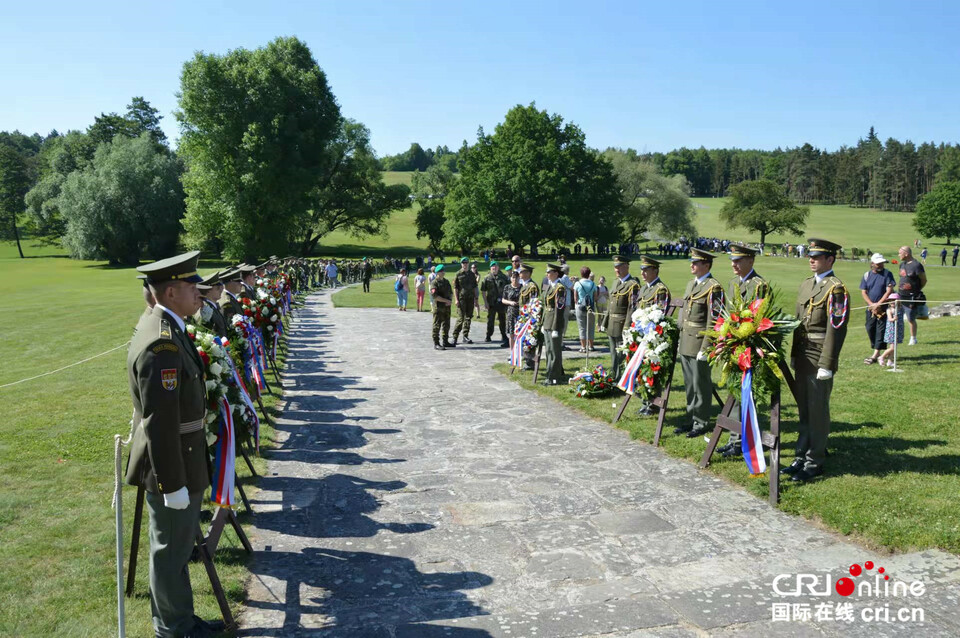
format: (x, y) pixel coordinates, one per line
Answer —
(164, 347)
(168, 377)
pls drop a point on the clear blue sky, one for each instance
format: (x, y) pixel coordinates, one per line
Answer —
(648, 75)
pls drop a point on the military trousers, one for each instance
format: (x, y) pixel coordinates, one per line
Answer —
(554, 348)
(366, 284)
(699, 387)
(173, 534)
(496, 313)
(813, 408)
(464, 317)
(441, 322)
(616, 357)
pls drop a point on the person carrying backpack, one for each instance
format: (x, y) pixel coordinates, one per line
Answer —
(585, 306)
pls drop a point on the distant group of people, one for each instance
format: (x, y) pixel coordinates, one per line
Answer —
(890, 302)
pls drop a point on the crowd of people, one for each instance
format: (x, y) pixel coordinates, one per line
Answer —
(890, 302)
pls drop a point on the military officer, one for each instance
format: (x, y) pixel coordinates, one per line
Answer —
(232, 287)
(529, 291)
(443, 298)
(168, 456)
(554, 307)
(492, 290)
(209, 315)
(748, 286)
(624, 297)
(249, 278)
(366, 273)
(703, 301)
(653, 292)
(464, 294)
(823, 309)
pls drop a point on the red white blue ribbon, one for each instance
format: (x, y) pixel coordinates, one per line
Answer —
(750, 443)
(631, 371)
(224, 459)
(520, 332)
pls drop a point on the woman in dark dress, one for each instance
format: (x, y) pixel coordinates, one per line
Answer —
(511, 299)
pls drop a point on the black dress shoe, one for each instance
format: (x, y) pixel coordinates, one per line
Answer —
(504, 344)
(437, 346)
(468, 340)
(731, 451)
(803, 476)
(793, 468)
(698, 431)
(450, 344)
(488, 340)
(212, 625)
(682, 428)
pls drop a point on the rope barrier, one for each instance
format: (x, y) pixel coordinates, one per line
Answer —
(7, 385)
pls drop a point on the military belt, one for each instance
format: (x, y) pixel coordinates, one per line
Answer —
(192, 426)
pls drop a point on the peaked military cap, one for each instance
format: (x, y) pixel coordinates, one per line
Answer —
(646, 261)
(232, 274)
(180, 268)
(620, 259)
(264, 264)
(212, 279)
(740, 250)
(526, 268)
(246, 268)
(554, 268)
(822, 247)
(700, 255)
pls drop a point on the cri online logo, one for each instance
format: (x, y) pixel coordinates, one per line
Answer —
(820, 584)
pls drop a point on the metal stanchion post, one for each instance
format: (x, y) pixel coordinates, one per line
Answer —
(896, 321)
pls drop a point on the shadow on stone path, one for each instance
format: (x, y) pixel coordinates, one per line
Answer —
(416, 493)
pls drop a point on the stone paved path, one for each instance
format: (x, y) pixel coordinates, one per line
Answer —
(395, 507)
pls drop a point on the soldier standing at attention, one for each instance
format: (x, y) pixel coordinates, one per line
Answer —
(232, 287)
(168, 456)
(492, 290)
(211, 289)
(823, 309)
(464, 294)
(528, 292)
(623, 301)
(703, 300)
(653, 293)
(249, 278)
(554, 307)
(442, 299)
(749, 286)
(366, 273)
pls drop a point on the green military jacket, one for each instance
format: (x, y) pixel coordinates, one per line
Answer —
(823, 312)
(230, 306)
(554, 298)
(465, 285)
(367, 270)
(528, 293)
(441, 288)
(654, 294)
(702, 302)
(169, 449)
(217, 324)
(624, 297)
(754, 287)
(492, 288)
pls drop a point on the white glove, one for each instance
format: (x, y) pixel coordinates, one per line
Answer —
(178, 500)
(554, 334)
(823, 374)
(701, 356)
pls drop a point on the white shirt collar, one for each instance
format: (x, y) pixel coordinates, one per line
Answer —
(628, 277)
(524, 282)
(819, 278)
(183, 327)
(700, 280)
(743, 279)
(650, 285)
(232, 296)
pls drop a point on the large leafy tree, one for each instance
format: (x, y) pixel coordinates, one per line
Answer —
(533, 181)
(256, 126)
(762, 207)
(125, 205)
(351, 195)
(14, 182)
(651, 202)
(430, 190)
(60, 156)
(938, 213)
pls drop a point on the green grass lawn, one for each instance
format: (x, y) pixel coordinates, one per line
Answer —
(56, 452)
(893, 473)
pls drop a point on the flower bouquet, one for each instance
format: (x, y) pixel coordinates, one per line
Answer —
(527, 333)
(596, 383)
(650, 346)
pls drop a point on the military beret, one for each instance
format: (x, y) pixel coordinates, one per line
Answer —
(701, 255)
(648, 262)
(740, 250)
(438, 268)
(493, 263)
(507, 269)
(464, 260)
(822, 247)
(180, 268)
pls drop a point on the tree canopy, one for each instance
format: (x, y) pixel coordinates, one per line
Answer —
(533, 181)
(761, 206)
(256, 126)
(938, 212)
(430, 190)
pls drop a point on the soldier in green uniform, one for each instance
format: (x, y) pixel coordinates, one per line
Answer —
(554, 305)
(823, 310)
(624, 297)
(443, 299)
(168, 456)
(529, 291)
(232, 287)
(366, 273)
(492, 290)
(750, 286)
(703, 301)
(653, 292)
(464, 294)
(209, 315)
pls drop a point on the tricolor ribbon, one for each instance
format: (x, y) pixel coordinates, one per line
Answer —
(224, 459)
(631, 371)
(750, 443)
(520, 332)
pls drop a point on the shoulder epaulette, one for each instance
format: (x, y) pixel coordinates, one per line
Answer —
(165, 331)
